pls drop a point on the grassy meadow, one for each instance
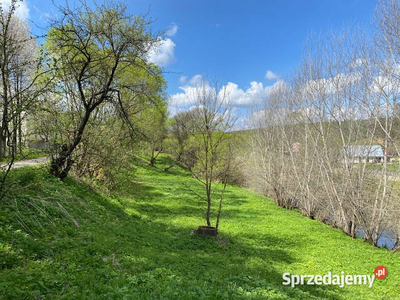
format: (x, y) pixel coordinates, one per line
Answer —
(65, 240)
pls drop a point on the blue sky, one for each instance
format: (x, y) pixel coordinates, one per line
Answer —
(238, 41)
(234, 41)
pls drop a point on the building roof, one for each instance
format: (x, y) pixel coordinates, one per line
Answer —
(365, 151)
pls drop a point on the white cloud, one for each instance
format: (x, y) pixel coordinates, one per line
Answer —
(384, 84)
(188, 96)
(182, 79)
(271, 75)
(358, 62)
(231, 92)
(22, 10)
(242, 123)
(172, 111)
(196, 79)
(181, 99)
(163, 54)
(172, 30)
(252, 96)
(332, 85)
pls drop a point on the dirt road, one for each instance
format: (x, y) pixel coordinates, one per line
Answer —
(27, 163)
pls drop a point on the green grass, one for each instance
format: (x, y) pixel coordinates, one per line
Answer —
(393, 167)
(136, 244)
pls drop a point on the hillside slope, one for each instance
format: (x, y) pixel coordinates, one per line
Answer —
(63, 240)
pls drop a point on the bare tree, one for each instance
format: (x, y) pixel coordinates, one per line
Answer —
(20, 71)
(210, 122)
(312, 140)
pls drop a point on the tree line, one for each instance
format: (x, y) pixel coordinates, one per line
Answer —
(87, 93)
(316, 138)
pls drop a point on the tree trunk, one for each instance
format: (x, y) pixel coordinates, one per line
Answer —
(19, 133)
(208, 190)
(2, 144)
(152, 161)
(61, 164)
(18, 117)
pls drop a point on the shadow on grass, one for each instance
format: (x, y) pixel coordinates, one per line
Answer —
(114, 254)
(241, 266)
(235, 200)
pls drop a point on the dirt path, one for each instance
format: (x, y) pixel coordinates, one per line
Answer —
(27, 163)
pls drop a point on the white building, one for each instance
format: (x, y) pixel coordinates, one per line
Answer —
(360, 154)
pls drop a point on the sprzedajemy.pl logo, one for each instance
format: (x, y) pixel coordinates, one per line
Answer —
(335, 279)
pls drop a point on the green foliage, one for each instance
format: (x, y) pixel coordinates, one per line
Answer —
(105, 92)
(63, 240)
